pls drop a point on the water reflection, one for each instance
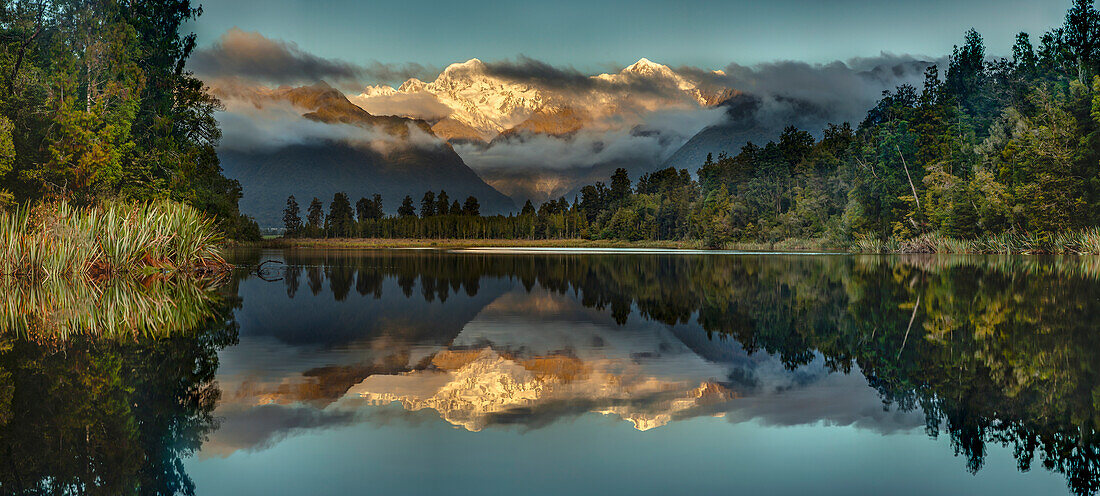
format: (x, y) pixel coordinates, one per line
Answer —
(136, 386)
(983, 350)
(106, 386)
(115, 308)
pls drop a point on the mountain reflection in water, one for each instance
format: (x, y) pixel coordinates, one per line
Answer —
(408, 370)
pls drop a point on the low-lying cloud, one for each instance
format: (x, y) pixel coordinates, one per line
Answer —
(255, 123)
(253, 56)
(413, 105)
(649, 141)
(571, 81)
(811, 95)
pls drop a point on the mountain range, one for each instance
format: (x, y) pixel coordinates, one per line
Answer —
(481, 104)
(538, 133)
(476, 130)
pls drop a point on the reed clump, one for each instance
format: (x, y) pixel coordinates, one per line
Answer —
(1078, 242)
(58, 239)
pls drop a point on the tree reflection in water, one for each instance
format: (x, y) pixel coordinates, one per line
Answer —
(106, 386)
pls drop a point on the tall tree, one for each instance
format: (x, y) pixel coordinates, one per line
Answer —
(406, 209)
(442, 203)
(369, 209)
(377, 212)
(341, 219)
(315, 217)
(1082, 38)
(291, 218)
(620, 187)
(362, 209)
(102, 107)
(471, 207)
(427, 204)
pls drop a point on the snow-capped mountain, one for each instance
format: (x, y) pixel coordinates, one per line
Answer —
(483, 105)
(645, 69)
(486, 104)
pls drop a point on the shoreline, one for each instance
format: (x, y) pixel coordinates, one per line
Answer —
(792, 246)
(367, 243)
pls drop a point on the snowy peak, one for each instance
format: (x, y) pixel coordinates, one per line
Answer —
(470, 66)
(413, 85)
(483, 106)
(646, 67)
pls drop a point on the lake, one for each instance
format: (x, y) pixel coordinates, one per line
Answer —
(564, 372)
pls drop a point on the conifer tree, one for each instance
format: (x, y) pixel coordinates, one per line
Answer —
(315, 217)
(471, 207)
(406, 209)
(427, 205)
(291, 218)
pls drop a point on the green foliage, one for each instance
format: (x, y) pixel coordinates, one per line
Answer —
(370, 209)
(114, 412)
(96, 106)
(115, 308)
(341, 220)
(428, 204)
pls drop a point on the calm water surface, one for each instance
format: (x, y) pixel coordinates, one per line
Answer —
(485, 372)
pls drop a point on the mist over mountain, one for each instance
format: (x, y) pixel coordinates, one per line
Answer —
(785, 94)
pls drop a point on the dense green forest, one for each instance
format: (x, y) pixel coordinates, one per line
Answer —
(95, 104)
(1005, 152)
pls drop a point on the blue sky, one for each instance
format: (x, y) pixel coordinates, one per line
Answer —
(594, 36)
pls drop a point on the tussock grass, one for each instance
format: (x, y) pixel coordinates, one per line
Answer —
(1080, 242)
(58, 239)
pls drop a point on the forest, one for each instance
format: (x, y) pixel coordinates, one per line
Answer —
(96, 105)
(990, 155)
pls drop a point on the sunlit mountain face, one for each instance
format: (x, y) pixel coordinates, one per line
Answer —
(476, 102)
(536, 132)
(528, 129)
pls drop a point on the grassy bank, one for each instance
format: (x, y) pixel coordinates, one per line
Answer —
(1083, 242)
(58, 239)
(465, 243)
